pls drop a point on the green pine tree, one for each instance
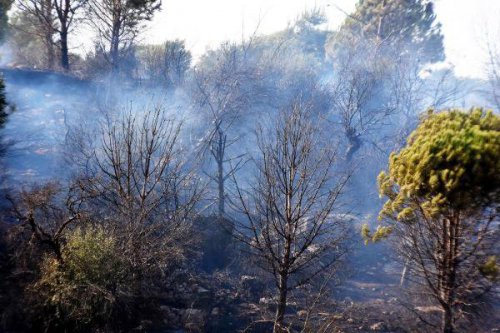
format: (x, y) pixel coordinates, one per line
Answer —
(395, 27)
(443, 196)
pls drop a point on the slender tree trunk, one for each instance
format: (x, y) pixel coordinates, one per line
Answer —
(448, 275)
(447, 320)
(279, 323)
(47, 25)
(220, 177)
(115, 59)
(115, 45)
(281, 307)
(64, 49)
(354, 144)
(220, 180)
(279, 326)
(49, 44)
(219, 157)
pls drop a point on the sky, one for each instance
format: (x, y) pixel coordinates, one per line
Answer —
(207, 23)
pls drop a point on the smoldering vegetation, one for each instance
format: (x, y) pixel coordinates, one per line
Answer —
(144, 191)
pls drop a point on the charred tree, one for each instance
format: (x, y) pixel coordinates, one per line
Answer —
(292, 224)
(221, 93)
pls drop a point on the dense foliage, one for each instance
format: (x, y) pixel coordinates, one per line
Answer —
(451, 162)
(442, 194)
(396, 27)
(85, 289)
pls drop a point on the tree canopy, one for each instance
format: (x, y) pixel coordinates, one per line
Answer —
(451, 161)
(398, 27)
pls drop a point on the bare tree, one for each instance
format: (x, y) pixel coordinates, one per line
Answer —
(224, 91)
(132, 186)
(135, 179)
(46, 212)
(360, 103)
(118, 22)
(415, 89)
(493, 72)
(376, 85)
(443, 260)
(291, 227)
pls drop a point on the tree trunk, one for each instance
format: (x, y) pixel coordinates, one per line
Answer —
(354, 145)
(48, 29)
(115, 45)
(220, 178)
(64, 49)
(448, 270)
(447, 320)
(114, 59)
(219, 153)
(49, 44)
(281, 307)
(220, 181)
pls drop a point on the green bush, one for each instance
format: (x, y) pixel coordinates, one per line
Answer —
(81, 291)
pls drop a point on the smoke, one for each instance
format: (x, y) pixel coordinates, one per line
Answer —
(6, 55)
(266, 72)
(59, 119)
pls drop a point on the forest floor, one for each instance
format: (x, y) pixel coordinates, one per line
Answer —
(373, 300)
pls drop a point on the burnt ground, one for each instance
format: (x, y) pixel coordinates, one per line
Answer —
(372, 300)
